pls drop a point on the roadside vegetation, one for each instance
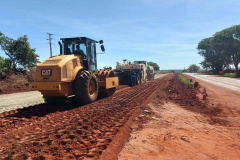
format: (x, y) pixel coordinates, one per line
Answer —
(154, 65)
(17, 68)
(233, 75)
(227, 74)
(193, 68)
(221, 51)
(184, 80)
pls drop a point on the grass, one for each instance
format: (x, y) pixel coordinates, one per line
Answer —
(205, 73)
(184, 80)
(232, 75)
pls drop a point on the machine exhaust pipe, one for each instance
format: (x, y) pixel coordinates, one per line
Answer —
(60, 47)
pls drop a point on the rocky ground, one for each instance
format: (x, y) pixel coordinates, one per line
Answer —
(67, 131)
(164, 121)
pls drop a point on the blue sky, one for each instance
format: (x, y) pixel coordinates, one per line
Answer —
(165, 32)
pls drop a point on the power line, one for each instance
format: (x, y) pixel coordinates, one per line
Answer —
(50, 42)
(137, 41)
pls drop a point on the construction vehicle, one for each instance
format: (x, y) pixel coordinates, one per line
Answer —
(150, 73)
(143, 72)
(74, 73)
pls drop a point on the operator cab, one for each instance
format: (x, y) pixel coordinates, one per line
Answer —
(83, 47)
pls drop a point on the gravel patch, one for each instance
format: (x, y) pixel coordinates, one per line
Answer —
(19, 100)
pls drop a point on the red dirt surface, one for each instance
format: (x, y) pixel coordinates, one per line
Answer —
(178, 126)
(181, 127)
(73, 132)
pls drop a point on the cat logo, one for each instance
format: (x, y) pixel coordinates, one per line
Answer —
(46, 72)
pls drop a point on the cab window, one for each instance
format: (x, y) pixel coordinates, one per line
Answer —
(71, 47)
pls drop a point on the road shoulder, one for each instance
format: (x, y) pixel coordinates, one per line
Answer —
(177, 131)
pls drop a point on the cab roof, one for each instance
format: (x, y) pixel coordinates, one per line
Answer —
(78, 38)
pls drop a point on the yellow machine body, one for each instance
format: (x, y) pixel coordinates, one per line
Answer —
(109, 82)
(55, 76)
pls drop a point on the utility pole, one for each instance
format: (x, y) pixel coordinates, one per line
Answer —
(50, 42)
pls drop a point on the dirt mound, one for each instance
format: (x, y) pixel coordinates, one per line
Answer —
(14, 82)
(182, 94)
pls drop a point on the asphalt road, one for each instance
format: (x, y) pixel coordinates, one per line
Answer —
(19, 100)
(226, 82)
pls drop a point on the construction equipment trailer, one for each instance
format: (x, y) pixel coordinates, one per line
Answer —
(143, 71)
(74, 73)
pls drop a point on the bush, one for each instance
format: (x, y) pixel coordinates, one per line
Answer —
(229, 71)
(233, 75)
(30, 74)
(14, 82)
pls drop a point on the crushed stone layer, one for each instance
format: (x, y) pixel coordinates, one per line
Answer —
(13, 101)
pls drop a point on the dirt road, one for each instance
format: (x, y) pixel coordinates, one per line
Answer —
(181, 127)
(226, 82)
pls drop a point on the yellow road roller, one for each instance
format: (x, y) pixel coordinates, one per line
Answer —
(74, 73)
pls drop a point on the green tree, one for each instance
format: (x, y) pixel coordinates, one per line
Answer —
(155, 65)
(205, 64)
(228, 42)
(193, 68)
(19, 52)
(216, 59)
(5, 64)
(105, 67)
(222, 50)
(231, 45)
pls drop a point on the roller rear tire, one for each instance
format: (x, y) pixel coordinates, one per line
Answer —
(85, 87)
